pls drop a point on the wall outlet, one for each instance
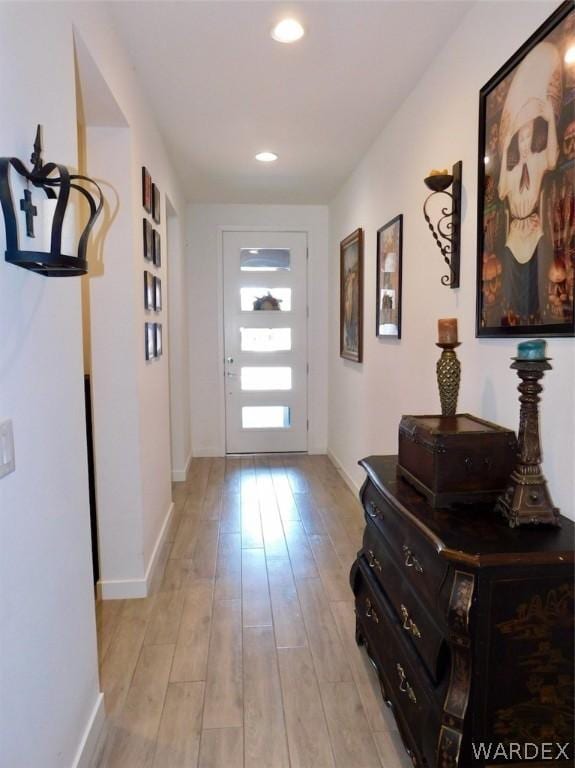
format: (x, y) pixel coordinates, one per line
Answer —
(7, 456)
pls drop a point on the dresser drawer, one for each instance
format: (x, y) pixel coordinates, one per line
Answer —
(415, 620)
(404, 680)
(417, 558)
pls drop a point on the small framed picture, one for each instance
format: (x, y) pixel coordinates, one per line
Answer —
(149, 290)
(388, 307)
(150, 341)
(156, 203)
(158, 339)
(146, 190)
(157, 247)
(148, 241)
(157, 294)
(351, 297)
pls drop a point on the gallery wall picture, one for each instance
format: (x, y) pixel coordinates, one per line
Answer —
(155, 203)
(158, 339)
(157, 294)
(157, 249)
(148, 241)
(351, 297)
(526, 197)
(150, 341)
(146, 190)
(149, 290)
(388, 280)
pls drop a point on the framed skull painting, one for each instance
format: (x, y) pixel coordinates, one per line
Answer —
(526, 201)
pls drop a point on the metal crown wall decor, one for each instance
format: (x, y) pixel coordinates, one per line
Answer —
(447, 231)
(55, 183)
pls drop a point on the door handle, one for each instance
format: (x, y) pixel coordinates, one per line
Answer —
(229, 359)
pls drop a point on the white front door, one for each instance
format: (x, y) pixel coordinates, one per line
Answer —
(265, 328)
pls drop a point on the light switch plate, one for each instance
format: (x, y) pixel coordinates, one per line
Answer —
(7, 456)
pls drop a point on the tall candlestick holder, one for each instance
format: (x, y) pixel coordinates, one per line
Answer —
(448, 377)
(527, 500)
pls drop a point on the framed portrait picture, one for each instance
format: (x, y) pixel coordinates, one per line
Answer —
(389, 251)
(157, 249)
(526, 205)
(158, 339)
(149, 290)
(155, 203)
(157, 294)
(148, 241)
(150, 341)
(351, 297)
(146, 190)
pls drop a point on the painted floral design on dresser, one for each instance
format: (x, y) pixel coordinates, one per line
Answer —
(542, 709)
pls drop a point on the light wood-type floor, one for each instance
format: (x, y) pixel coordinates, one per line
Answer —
(244, 654)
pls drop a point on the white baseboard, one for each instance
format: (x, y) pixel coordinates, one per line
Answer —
(126, 589)
(91, 735)
(181, 475)
(208, 453)
(346, 478)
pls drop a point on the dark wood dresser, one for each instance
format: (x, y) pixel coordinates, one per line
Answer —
(469, 624)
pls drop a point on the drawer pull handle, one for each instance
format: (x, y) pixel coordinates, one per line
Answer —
(370, 612)
(372, 560)
(372, 510)
(410, 559)
(404, 686)
(408, 623)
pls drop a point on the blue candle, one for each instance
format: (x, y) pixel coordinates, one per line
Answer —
(534, 349)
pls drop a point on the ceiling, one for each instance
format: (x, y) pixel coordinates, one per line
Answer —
(223, 90)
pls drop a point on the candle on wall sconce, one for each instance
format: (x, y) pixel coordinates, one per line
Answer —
(447, 230)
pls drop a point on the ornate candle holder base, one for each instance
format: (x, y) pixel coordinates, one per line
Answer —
(448, 378)
(527, 500)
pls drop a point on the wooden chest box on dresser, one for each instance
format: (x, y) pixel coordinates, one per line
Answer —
(469, 624)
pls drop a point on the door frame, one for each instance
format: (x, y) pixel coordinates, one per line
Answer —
(222, 229)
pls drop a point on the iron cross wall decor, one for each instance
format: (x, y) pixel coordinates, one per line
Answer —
(54, 184)
(30, 211)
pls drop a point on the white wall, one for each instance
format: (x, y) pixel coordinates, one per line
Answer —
(48, 664)
(435, 127)
(179, 348)
(49, 692)
(131, 397)
(206, 223)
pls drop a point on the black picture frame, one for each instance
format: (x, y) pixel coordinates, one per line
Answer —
(511, 285)
(158, 343)
(146, 190)
(157, 294)
(149, 291)
(148, 241)
(351, 297)
(156, 204)
(150, 341)
(157, 248)
(388, 319)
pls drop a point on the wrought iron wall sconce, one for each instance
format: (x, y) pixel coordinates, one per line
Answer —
(447, 231)
(54, 183)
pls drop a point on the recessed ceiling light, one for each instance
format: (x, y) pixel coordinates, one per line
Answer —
(266, 157)
(288, 31)
(570, 55)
